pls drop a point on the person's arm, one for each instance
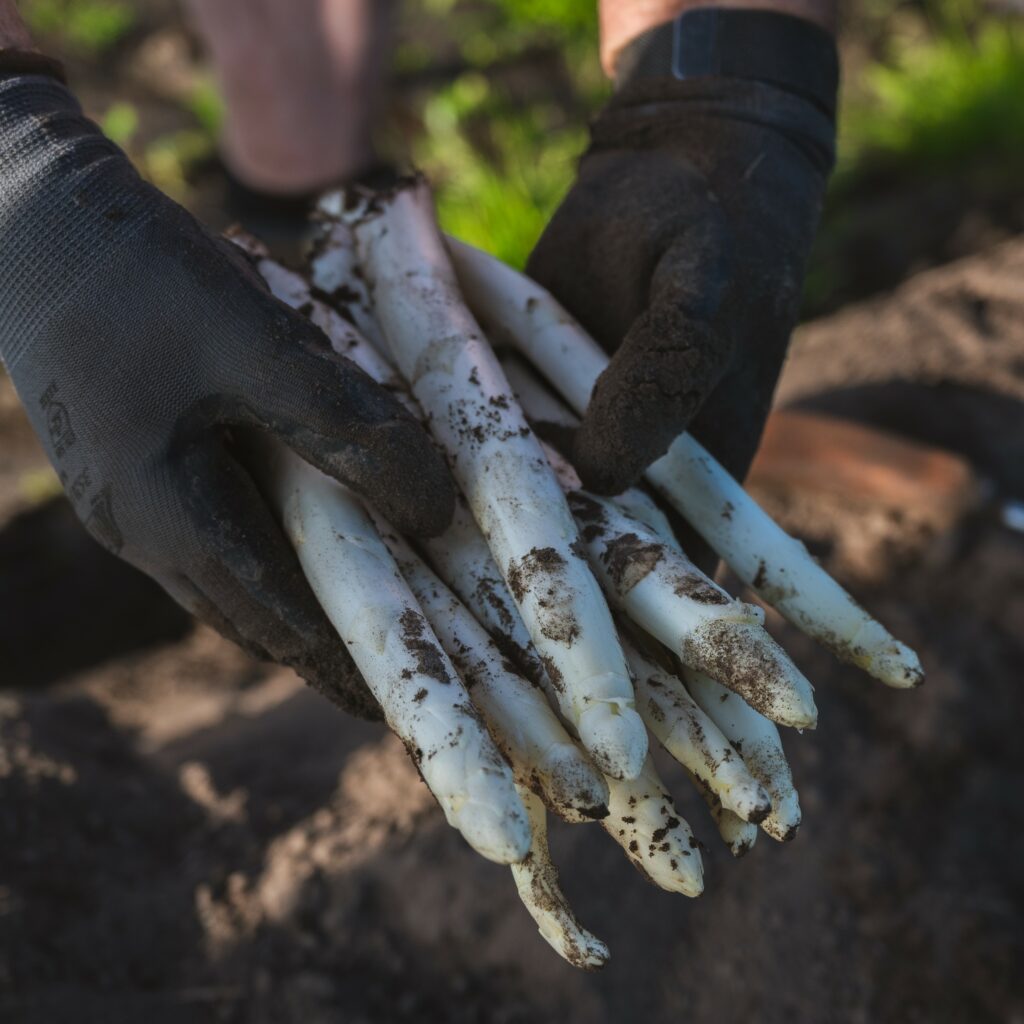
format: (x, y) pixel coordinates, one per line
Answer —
(145, 350)
(302, 82)
(682, 246)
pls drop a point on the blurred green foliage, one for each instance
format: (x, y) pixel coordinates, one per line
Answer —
(498, 171)
(496, 96)
(120, 123)
(938, 111)
(945, 100)
(81, 27)
(501, 148)
(169, 159)
(941, 92)
(205, 104)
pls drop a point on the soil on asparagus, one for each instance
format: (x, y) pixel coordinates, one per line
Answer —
(186, 835)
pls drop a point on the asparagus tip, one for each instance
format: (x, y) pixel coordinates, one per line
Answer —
(575, 944)
(755, 806)
(496, 827)
(615, 736)
(742, 845)
(536, 879)
(783, 823)
(744, 658)
(896, 665)
(573, 788)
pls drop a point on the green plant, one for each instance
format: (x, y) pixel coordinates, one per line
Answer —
(206, 105)
(502, 155)
(87, 27)
(120, 123)
(167, 160)
(498, 171)
(940, 102)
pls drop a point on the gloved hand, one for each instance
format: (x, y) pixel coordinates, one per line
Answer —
(682, 246)
(140, 346)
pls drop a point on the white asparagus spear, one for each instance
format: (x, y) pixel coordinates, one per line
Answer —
(463, 560)
(693, 739)
(664, 593)
(534, 397)
(460, 553)
(643, 508)
(658, 842)
(294, 290)
(336, 275)
(757, 741)
(362, 592)
(541, 752)
(441, 352)
(536, 879)
(737, 834)
(485, 593)
(517, 311)
(753, 736)
(648, 577)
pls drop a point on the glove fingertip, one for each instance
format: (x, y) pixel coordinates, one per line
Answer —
(398, 470)
(605, 458)
(425, 504)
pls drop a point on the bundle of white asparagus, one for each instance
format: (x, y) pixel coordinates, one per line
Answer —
(524, 655)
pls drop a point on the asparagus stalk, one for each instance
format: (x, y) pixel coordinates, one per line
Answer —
(757, 741)
(360, 588)
(441, 352)
(517, 311)
(668, 596)
(536, 879)
(658, 842)
(752, 735)
(336, 275)
(693, 739)
(461, 553)
(542, 754)
(737, 834)
(544, 411)
(475, 798)
(463, 560)
(642, 507)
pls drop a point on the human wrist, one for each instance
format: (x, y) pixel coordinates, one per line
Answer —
(621, 23)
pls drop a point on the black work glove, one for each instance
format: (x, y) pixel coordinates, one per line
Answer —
(140, 345)
(682, 245)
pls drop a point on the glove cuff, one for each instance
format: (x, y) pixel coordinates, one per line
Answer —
(30, 62)
(765, 46)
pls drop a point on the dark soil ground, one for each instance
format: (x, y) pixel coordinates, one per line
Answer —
(188, 836)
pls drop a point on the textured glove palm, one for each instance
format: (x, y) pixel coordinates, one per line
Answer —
(138, 343)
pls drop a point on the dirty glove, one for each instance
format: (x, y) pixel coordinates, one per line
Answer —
(682, 245)
(141, 347)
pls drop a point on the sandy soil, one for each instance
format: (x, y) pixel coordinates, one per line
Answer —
(187, 836)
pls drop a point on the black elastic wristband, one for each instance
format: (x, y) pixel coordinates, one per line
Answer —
(764, 46)
(30, 62)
